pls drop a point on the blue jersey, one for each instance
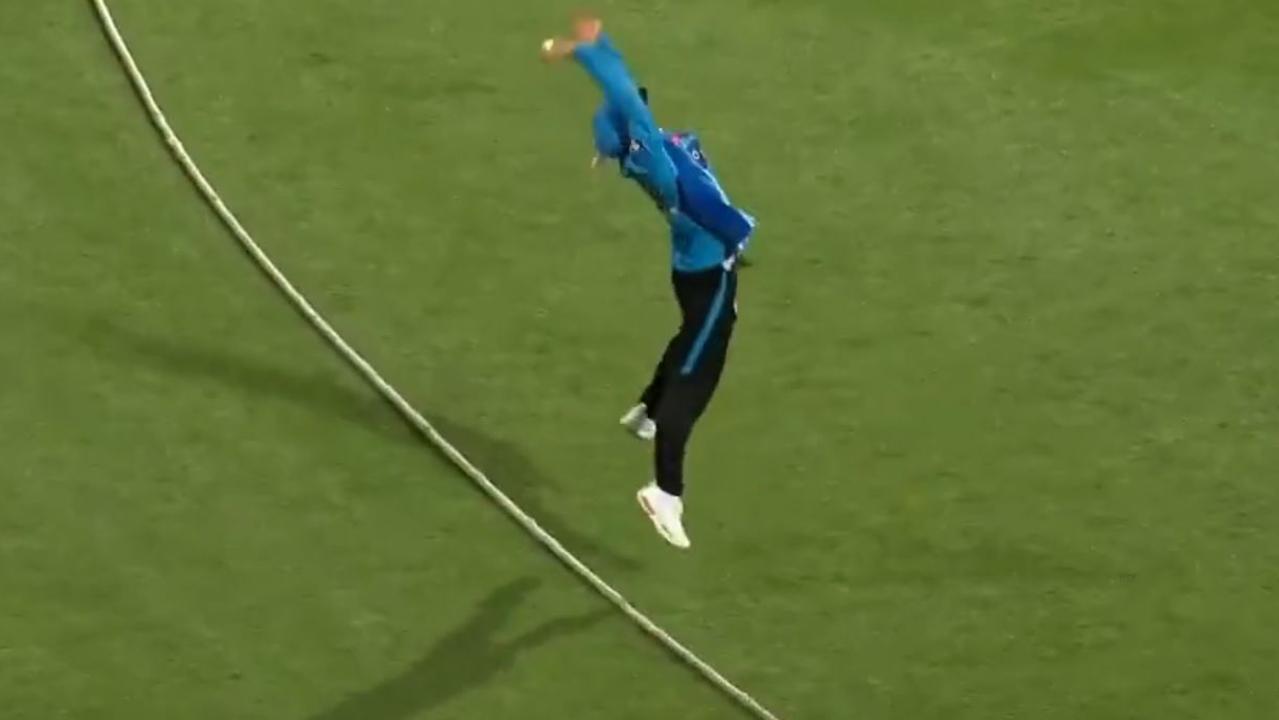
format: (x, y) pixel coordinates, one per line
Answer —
(706, 229)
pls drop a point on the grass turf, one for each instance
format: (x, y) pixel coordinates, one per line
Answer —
(997, 438)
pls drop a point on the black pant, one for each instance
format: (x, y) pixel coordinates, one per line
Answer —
(689, 371)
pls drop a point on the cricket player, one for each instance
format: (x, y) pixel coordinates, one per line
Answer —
(708, 235)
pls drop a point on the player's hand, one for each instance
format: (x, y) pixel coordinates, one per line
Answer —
(587, 28)
(554, 49)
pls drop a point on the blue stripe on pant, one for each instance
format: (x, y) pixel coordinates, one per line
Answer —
(708, 326)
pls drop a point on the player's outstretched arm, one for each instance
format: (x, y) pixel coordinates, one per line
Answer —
(601, 60)
(646, 158)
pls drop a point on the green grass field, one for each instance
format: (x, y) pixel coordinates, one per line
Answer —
(998, 438)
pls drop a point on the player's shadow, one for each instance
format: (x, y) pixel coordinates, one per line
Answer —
(519, 478)
(470, 656)
(503, 462)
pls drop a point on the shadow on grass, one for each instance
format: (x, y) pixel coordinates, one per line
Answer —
(467, 658)
(519, 478)
(505, 463)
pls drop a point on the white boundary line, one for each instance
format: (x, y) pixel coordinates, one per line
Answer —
(390, 393)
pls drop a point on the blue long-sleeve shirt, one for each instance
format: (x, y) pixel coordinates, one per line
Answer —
(706, 229)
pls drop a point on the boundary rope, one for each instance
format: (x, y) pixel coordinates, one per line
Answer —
(415, 418)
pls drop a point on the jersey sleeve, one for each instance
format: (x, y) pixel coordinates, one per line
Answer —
(607, 68)
(646, 159)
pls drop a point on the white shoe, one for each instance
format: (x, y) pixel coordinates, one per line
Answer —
(637, 421)
(666, 512)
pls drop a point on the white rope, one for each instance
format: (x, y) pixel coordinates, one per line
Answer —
(390, 393)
